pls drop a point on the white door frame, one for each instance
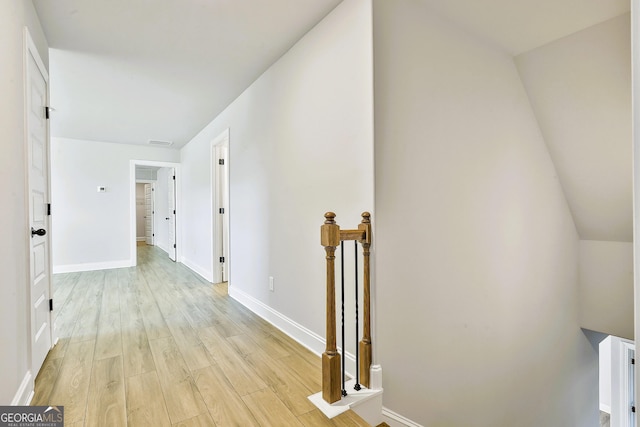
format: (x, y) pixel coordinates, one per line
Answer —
(30, 50)
(171, 205)
(132, 205)
(220, 147)
(635, 121)
(622, 351)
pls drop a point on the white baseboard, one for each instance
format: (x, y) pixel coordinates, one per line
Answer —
(307, 338)
(202, 272)
(140, 239)
(90, 266)
(25, 392)
(162, 246)
(396, 420)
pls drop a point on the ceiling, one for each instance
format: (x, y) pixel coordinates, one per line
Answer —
(128, 71)
(521, 25)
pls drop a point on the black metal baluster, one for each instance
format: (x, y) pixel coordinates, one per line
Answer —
(344, 389)
(357, 386)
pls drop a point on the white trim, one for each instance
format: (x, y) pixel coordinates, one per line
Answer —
(202, 272)
(306, 337)
(91, 266)
(364, 402)
(219, 144)
(163, 246)
(132, 206)
(303, 336)
(396, 420)
(25, 392)
(620, 405)
(635, 129)
(627, 350)
(141, 239)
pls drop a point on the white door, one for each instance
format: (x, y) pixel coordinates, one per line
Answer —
(38, 170)
(148, 213)
(172, 213)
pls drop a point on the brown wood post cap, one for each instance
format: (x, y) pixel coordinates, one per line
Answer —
(366, 218)
(329, 218)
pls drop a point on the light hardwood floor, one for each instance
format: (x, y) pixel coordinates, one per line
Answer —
(155, 345)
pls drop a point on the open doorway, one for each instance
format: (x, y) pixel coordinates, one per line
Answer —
(161, 201)
(220, 207)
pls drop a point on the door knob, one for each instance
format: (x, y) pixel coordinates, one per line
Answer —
(40, 232)
(167, 219)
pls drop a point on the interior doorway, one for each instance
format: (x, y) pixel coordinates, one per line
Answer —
(164, 226)
(220, 207)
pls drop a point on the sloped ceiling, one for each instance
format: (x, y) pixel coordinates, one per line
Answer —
(132, 70)
(580, 91)
(521, 25)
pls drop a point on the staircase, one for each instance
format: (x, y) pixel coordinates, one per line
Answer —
(358, 393)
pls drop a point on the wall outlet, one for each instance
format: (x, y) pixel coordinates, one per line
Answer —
(271, 283)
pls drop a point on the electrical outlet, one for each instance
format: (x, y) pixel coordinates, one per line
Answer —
(271, 283)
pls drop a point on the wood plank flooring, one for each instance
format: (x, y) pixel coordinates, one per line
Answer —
(155, 345)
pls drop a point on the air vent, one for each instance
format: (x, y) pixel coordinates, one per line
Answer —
(159, 142)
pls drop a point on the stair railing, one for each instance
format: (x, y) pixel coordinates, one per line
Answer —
(331, 236)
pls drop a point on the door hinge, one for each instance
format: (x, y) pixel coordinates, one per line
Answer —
(47, 112)
(633, 409)
(221, 162)
(174, 246)
(221, 259)
(174, 177)
(153, 235)
(49, 209)
(633, 361)
(174, 211)
(221, 210)
(50, 304)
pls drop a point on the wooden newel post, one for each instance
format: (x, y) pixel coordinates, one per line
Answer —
(330, 239)
(365, 343)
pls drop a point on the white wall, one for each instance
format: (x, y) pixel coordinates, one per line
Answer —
(580, 91)
(91, 230)
(300, 145)
(476, 249)
(606, 287)
(14, 268)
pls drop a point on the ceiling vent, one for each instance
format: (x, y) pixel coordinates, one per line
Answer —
(159, 142)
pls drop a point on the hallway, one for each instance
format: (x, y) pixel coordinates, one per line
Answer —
(155, 345)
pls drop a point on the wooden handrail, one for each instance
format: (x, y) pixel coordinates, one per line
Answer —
(330, 238)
